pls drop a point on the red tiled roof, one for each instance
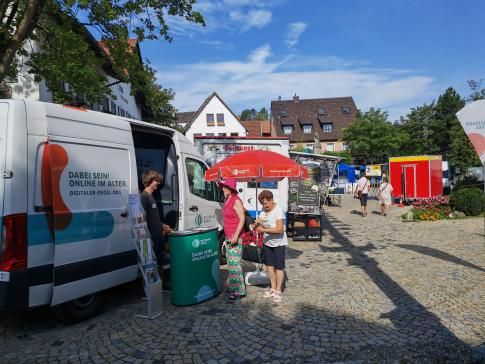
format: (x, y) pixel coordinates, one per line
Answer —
(257, 127)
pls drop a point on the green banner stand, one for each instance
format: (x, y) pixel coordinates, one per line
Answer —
(195, 274)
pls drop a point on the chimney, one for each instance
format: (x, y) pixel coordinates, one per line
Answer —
(296, 98)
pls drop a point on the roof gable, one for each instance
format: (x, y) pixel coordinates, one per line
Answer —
(203, 106)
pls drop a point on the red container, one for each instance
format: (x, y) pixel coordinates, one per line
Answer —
(416, 176)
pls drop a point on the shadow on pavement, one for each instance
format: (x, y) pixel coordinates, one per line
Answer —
(410, 317)
(439, 254)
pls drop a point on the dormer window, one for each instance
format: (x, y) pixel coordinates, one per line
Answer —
(282, 113)
(307, 129)
(327, 127)
(321, 111)
(345, 110)
(287, 129)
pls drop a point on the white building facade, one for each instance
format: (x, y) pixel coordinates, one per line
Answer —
(214, 118)
(123, 104)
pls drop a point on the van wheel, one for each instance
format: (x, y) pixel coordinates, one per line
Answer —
(80, 309)
(222, 250)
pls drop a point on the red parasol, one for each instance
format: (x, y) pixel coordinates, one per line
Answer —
(256, 165)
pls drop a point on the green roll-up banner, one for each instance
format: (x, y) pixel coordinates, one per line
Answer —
(194, 266)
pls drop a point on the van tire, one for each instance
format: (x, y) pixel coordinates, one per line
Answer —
(80, 309)
(222, 249)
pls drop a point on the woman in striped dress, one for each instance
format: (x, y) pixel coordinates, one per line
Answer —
(233, 215)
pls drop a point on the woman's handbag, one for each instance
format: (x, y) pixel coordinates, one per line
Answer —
(252, 247)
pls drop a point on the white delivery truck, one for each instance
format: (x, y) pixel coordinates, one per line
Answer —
(66, 176)
(215, 149)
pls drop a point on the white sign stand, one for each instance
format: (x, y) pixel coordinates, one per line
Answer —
(146, 259)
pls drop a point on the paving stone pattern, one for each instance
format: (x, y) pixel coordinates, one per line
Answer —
(375, 289)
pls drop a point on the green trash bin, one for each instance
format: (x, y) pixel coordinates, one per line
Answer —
(195, 274)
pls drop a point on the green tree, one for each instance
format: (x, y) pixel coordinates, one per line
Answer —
(478, 93)
(372, 137)
(66, 52)
(448, 104)
(415, 131)
(448, 133)
(262, 114)
(248, 114)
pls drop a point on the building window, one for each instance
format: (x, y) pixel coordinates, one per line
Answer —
(344, 146)
(210, 119)
(327, 128)
(321, 111)
(307, 129)
(221, 134)
(234, 134)
(120, 89)
(345, 110)
(283, 113)
(209, 134)
(287, 129)
(220, 119)
(330, 147)
(113, 107)
(197, 134)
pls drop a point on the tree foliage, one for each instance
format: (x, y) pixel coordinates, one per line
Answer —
(435, 129)
(252, 114)
(372, 137)
(66, 51)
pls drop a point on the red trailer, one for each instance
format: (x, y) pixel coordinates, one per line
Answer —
(416, 176)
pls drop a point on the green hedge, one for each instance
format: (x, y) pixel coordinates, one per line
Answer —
(470, 201)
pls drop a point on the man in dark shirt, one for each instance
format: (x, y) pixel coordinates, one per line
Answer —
(151, 180)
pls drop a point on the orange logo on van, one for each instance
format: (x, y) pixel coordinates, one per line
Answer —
(54, 161)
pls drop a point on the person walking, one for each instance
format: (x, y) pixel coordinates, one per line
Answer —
(385, 195)
(271, 223)
(362, 191)
(233, 217)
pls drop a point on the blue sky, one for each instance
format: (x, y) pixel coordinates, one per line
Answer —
(388, 54)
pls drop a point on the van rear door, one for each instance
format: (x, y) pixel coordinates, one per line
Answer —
(92, 172)
(3, 153)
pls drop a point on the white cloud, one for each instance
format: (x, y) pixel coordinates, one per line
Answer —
(295, 30)
(258, 80)
(252, 19)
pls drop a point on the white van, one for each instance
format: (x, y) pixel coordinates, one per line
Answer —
(66, 176)
(215, 149)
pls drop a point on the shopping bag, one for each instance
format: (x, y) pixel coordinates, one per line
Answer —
(257, 278)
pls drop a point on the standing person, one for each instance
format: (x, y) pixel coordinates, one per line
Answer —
(363, 187)
(385, 195)
(151, 180)
(233, 217)
(271, 223)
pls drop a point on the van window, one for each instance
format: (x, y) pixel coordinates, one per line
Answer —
(197, 184)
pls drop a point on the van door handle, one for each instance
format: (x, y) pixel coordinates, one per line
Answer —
(124, 214)
(43, 209)
(194, 208)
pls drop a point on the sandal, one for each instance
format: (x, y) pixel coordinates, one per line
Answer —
(234, 297)
(269, 293)
(278, 297)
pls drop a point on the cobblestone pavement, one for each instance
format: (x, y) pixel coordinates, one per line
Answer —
(374, 290)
